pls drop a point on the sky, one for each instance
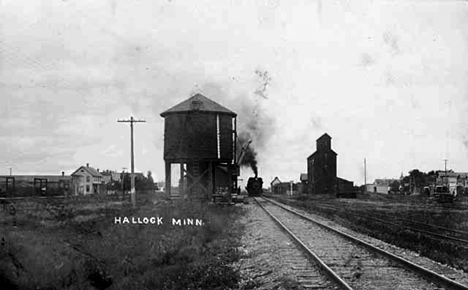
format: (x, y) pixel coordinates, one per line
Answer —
(387, 80)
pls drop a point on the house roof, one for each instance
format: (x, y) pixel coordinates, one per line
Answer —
(452, 174)
(275, 180)
(324, 136)
(88, 169)
(447, 174)
(206, 105)
(303, 177)
(112, 174)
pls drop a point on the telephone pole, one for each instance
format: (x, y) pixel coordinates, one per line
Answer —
(132, 161)
(365, 176)
(446, 178)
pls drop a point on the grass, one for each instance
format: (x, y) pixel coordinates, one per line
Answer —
(352, 213)
(74, 244)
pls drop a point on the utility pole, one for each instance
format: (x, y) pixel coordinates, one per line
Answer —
(123, 179)
(132, 176)
(446, 178)
(365, 176)
(10, 171)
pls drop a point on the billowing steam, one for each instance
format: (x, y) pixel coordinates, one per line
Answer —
(254, 124)
(250, 155)
(253, 121)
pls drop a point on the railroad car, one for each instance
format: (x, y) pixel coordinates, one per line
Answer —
(255, 186)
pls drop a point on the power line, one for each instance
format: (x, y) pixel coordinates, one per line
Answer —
(132, 157)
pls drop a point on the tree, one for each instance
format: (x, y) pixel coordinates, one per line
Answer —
(395, 186)
(125, 177)
(150, 181)
(150, 177)
(416, 180)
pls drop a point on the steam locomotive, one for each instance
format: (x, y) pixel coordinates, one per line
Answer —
(255, 186)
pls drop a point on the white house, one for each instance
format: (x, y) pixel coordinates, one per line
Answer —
(380, 186)
(87, 180)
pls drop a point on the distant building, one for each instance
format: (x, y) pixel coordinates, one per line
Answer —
(321, 171)
(285, 188)
(344, 186)
(275, 182)
(87, 180)
(160, 185)
(304, 181)
(321, 168)
(456, 181)
(109, 176)
(374, 188)
(381, 185)
(35, 185)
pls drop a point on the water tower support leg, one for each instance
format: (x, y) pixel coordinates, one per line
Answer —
(168, 179)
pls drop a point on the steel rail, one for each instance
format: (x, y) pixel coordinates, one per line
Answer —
(425, 224)
(331, 206)
(433, 276)
(328, 271)
(404, 226)
(464, 241)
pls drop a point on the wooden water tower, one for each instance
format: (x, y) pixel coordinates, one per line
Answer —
(199, 138)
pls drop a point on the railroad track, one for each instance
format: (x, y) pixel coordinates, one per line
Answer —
(424, 228)
(281, 258)
(350, 262)
(450, 234)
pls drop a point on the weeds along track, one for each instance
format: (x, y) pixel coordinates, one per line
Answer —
(415, 226)
(357, 263)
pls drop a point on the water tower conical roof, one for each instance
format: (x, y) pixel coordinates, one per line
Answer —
(199, 103)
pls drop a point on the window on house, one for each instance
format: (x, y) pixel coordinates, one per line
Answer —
(88, 179)
(87, 188)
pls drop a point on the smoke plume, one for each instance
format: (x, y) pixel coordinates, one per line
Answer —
(257, 125)
(249, 102)
(250, 155)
